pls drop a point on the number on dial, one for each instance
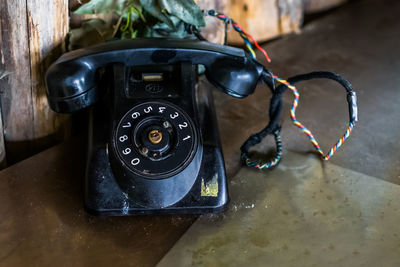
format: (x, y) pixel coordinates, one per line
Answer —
(126, 151)
(183, 125)
(148, 109)
(175, 115)
(123, 138)
(127, 125)
(135, 115)
(135, 161)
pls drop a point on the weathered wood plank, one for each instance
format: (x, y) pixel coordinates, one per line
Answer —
(290, 16)
(47, 27)
(16, 99)
(31, 37)
(3, 161)
(260, 18)
(214, 32)
(265, 19)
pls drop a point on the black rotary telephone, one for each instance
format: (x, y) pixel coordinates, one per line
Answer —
(153, 140)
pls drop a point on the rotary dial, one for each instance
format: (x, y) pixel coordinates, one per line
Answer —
(155, 139)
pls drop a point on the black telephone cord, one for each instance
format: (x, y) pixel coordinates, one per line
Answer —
(275, 112)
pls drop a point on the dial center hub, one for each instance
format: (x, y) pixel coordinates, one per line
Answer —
(155, 136)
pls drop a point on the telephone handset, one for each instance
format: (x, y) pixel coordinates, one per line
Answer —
(153, 139)
(73, 83)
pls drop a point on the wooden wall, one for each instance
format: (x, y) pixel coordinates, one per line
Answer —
(31, 37)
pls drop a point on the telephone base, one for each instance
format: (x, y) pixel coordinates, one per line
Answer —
(208, 194)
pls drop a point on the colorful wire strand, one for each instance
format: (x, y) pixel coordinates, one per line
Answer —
(245, 36)
(308, 132)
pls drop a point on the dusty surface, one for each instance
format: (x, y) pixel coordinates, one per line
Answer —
(303, 213)
(43, 223)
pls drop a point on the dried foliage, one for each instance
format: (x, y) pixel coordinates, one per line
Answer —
(137, 18)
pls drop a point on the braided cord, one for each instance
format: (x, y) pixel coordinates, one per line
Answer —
(308, 132)
(352, 102)
(296, 94)
(245, 35)
(340, 142)
(266, 165)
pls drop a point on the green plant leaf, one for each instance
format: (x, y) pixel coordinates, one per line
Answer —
(108, 6)
(102, 6)
(93, 31)
(153, 8)
(163, 30)
(140, 18)
(186, 10)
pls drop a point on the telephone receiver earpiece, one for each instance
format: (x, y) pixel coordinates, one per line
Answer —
(72, 81)
(71, 86)
(233, 77)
